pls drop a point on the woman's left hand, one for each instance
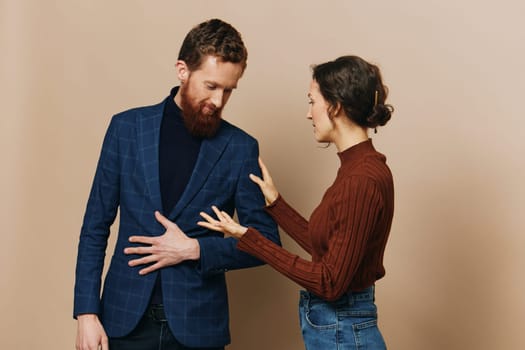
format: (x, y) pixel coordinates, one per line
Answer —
(224, 223)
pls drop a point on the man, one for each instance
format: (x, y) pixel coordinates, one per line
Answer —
(161, 166)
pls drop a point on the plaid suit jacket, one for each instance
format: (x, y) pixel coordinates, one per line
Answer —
(127, 180)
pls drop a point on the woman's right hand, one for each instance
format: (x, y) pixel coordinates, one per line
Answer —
(266, 184)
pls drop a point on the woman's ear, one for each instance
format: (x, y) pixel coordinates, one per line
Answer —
(334, 110)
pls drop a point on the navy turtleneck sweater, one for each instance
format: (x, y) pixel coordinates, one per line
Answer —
(178, 151)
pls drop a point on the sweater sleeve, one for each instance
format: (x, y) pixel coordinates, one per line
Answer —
(355, 211)
(293, 223)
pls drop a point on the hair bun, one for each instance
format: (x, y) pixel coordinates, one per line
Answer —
(381, 114)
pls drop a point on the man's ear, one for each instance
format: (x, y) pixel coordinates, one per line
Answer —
(182, 71)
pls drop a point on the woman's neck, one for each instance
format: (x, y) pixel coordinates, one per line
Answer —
(349, 136)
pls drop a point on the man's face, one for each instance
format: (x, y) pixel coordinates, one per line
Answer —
(204, 93)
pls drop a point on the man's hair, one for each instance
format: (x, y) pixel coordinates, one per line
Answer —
(213, 38)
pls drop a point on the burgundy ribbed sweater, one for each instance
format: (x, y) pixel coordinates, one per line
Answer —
(347, 233)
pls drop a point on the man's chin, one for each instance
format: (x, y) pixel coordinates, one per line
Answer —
(204, 131)
(201, 121)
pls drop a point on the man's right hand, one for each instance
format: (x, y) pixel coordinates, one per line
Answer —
(90, 333)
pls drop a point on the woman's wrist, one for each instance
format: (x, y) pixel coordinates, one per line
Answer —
(240, 232)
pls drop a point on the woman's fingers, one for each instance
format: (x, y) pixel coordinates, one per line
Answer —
(222, 218)
(217, 212)
(206, 217)
(257, 180)
(265, 172)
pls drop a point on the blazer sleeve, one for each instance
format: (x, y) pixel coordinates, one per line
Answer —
(219, 254)
(100, 214)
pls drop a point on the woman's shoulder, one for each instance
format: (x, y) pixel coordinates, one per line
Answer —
(371, 168)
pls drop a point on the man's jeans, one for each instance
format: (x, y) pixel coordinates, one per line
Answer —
(348, 323)
(152, 333)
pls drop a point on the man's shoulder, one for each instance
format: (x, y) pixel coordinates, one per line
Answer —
(236, 131)
(131, 114)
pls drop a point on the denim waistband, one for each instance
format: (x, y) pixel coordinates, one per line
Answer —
(367, 294)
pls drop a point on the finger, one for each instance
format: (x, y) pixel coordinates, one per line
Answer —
(105, 343)
(227, 217)
(261, 163)
(137, 250)
(151, 268)
(142, 239)
(206, 217)
(224, 216)
(217, 212)
(211, 226)
(142, 261)
(163, 220)
(205, 224)
(256, 179)
(264, 169)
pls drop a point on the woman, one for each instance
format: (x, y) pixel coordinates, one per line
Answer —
(347, 233)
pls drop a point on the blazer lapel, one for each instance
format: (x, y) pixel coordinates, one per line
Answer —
(148, 129)
(209, 154)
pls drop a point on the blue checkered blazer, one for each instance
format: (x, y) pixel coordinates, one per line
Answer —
(127, 178)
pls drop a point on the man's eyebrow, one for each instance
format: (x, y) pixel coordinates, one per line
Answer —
(214, 83)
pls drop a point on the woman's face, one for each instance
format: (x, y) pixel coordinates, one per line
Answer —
(318, 114)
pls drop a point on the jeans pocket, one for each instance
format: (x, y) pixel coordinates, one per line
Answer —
(368, 336)
(320, 315)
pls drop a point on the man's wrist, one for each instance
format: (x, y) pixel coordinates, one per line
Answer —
(86, 316)
(195, 250)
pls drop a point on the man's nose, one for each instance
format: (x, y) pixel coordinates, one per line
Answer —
(217, 98)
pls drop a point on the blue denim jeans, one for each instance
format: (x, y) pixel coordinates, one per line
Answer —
(152, 333)
(346, 324)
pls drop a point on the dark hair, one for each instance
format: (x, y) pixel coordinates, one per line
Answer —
(357, 87)
(213, 38)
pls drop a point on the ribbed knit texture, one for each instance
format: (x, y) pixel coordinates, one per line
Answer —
(347, 233)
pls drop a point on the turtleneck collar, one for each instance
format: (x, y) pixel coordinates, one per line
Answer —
(171, 108)
(355, 152)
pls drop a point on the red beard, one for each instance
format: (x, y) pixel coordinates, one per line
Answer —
(201, 119)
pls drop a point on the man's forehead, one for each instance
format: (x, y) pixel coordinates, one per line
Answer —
(214, 70)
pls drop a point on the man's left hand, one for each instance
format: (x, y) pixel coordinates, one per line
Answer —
(169, 249)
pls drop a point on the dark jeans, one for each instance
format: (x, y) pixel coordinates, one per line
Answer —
(152, 333)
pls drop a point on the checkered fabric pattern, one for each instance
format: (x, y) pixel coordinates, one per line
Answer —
(127, 179)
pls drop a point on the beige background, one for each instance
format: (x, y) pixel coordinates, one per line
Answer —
(455, 144)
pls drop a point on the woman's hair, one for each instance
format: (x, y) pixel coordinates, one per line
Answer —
(213, 38)
(356, 86)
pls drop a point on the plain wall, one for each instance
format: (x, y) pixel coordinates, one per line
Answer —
(455, 144)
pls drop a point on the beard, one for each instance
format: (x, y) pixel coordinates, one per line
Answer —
(200, 118)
